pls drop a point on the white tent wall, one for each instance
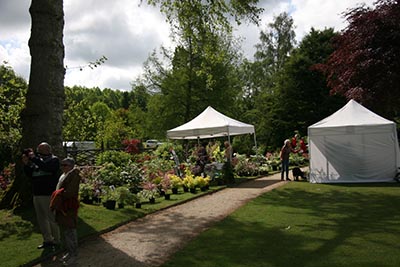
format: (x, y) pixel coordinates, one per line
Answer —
(356, 158)
(353, 153)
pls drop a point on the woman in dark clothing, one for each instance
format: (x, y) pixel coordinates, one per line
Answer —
(284, 155)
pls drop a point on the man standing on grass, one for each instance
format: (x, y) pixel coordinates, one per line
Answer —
(43, 168)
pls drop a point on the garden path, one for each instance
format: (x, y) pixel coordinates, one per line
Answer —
(151, 240)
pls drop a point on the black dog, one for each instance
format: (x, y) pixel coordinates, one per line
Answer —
(297, 172)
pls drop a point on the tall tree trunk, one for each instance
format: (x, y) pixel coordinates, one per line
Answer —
(42, 116)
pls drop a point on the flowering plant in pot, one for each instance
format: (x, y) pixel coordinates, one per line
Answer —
(189, 181)
(203, 182)
(149, 191)
(176, 182)
(166, 186)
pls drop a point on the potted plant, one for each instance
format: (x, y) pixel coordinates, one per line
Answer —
(190, 182)
(166, 185)
(110, 198)
(138, 203)
(86, 193)
(203, 182)
(149, 192)
(176, 182)
(124, 196)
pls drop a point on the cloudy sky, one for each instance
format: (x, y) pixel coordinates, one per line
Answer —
(127, 33)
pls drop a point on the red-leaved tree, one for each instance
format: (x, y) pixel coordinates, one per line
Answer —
(365, 65)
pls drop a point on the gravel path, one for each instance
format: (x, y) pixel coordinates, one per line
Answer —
(138, 243)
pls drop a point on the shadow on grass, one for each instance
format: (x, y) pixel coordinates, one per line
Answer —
(21, 228)
(256, 183)
(329, 225)
(89, 236)
(156, 236)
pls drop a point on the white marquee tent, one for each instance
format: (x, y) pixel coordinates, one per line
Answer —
(209, 124)
(353, 145)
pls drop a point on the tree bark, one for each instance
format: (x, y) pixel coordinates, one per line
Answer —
(42, 116)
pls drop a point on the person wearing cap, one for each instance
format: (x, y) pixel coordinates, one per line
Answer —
(65, 202)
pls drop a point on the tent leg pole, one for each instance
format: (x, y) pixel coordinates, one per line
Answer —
(255, 141)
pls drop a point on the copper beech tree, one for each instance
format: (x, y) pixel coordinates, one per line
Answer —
(365, 65)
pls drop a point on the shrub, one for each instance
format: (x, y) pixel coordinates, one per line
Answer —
(164, 151)
(7, 176)
(125, 196)
(202, 182)
(119, 158)
(86, 191)
(149, 191)
(190, 180)
(132, 146)
(157, 168)
(109, 174)
(245, 167)
(176, 181)
(132, 176)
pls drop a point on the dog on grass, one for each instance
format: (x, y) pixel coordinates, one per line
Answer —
(297, 172)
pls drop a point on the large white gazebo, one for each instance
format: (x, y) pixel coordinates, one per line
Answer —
(209, 124)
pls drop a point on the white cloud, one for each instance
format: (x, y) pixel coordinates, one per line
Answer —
(127, 33)
(321, 14)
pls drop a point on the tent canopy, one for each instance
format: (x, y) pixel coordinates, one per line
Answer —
(209, 124)
(353, 145)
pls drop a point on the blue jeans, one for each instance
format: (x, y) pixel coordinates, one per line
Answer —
(285, 168)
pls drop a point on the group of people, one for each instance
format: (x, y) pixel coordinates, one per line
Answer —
(55, 186)
(291, 146)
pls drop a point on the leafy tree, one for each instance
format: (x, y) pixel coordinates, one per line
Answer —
(140, 96)
(12, 97)
(215, 12)
(79, 122)
(302, 97)
(115, 130)
(203, 62)
(273, 51)
(275, 46)
(365, 65)
(137, 120)
(299, 96)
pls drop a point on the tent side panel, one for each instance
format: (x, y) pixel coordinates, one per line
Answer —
(352, 155)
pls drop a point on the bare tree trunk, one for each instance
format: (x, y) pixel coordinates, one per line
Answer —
(42, 116)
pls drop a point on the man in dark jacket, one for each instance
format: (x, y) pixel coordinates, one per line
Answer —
(43, 168)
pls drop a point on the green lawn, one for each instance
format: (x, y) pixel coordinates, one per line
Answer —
(299, 224)
(19, 232)
(302, 224)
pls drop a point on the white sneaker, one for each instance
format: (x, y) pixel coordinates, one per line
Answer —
(71, 261)
(64, 257)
